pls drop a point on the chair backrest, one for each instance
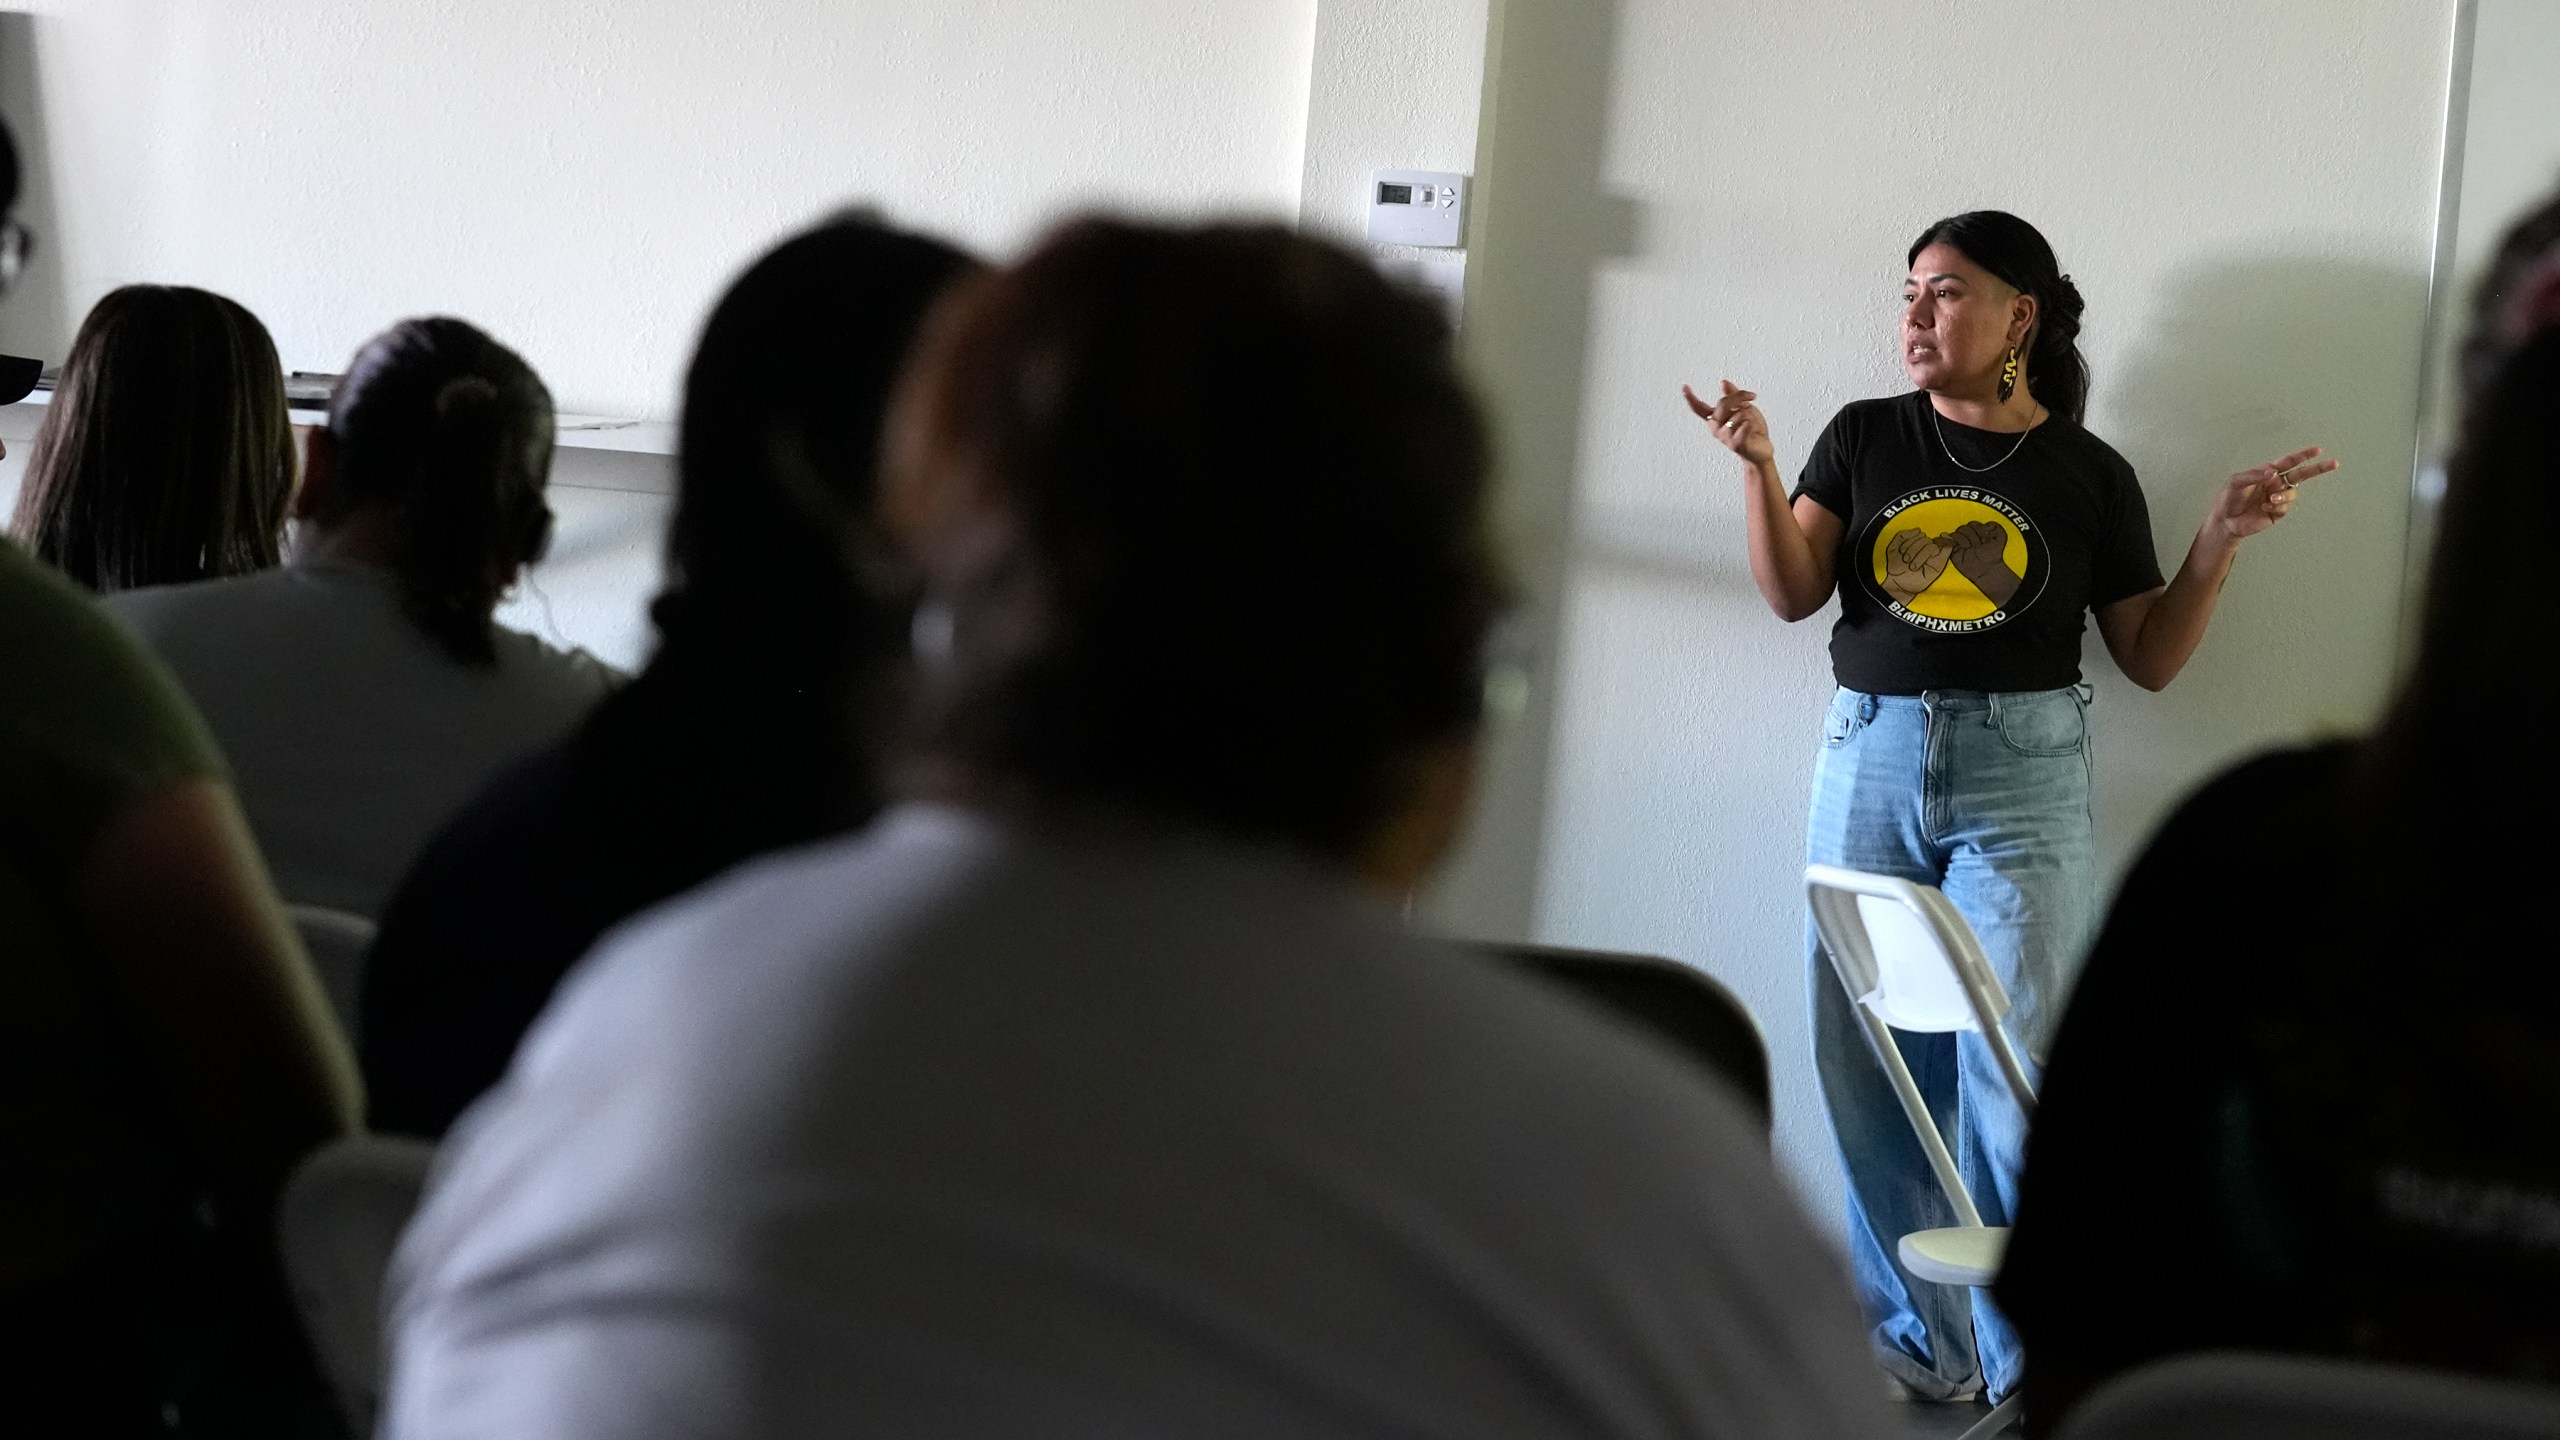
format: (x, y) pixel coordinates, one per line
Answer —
(337, 941)
(1904, 951)
(1906, 955)
(2231, 1396)
(341, 1214)
(1677, 1003)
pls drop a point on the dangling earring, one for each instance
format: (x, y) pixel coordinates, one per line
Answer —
(2009, 374)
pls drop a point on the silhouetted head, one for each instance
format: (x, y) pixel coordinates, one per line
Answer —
(1201, 521)
(2481, 634)
(2519, 296)
(2015, 254)
(166, 455)
(781, 440)
(439, 440)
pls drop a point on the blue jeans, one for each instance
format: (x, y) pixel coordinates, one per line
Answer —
(1985, 796)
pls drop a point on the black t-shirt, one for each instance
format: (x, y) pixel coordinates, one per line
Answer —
(717, 753)
(1952, 580)
(2339, 1108)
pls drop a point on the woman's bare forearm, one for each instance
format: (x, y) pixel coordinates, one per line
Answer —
(1784, 563)
(2175, 624)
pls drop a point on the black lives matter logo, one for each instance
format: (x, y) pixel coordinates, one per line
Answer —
(1954, 559)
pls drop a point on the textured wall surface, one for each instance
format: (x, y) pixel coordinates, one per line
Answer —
(2511, 143)
(580, 176)
(2244, 192)
(1394, 85)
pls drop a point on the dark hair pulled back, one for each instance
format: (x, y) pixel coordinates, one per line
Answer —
(782, 416)
(2016, 251)
(448, 434)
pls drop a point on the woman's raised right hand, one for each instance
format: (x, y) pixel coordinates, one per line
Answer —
(1736, 423)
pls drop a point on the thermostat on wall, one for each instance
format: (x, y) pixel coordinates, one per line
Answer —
(1418, 207)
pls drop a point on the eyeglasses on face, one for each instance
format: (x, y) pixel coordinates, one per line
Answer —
(17, 246)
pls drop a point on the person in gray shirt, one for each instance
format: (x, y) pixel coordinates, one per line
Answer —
(1098, 1089)
(362, 693)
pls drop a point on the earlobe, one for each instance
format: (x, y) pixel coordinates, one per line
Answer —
(2022, 320)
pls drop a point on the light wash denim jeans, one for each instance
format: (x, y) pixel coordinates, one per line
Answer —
(1985, 796)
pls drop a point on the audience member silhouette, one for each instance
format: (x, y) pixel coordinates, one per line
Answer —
(168, 1052)
(755, 725)
(1097, 1090)
(2356, 1148)
(165, 454)
(362, 693)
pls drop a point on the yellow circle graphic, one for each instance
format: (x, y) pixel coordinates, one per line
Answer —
(1950, 559)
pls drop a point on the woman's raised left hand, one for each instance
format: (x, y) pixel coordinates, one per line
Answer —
(2261, 495)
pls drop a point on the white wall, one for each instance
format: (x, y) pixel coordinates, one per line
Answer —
(2244, 192)
(1394, 84)
(2510, 161)
(2511, 139)
(582, 177)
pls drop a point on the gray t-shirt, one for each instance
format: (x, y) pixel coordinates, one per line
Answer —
(953, 1129)
(351, 736)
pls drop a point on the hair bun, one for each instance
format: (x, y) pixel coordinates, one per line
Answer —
(2066, 298)
(475, 392)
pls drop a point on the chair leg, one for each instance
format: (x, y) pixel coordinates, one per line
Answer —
(2002, 1416)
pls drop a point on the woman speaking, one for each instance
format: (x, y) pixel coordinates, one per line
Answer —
(1969, 528)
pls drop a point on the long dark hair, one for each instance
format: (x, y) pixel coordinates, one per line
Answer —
(762, 716)
(1236, 488)
(781, 432)
(166, 455)
(2016, 251)
(448, 434)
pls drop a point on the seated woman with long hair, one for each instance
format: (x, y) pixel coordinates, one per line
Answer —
(2316, 1052)
(363, 692)
(165, 455)
(755, 725)
(167, 1051)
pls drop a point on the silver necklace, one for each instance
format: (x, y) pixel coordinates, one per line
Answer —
(1940, 427)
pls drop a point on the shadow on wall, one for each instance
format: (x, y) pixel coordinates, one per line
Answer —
(35, 319)
(1542, 230)
(2247, 359)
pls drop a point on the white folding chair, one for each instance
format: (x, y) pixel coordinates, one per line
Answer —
(1910, 962)
(341, 1214)
(337, 941)
(2234, 1396)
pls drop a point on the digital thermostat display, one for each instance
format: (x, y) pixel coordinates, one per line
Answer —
(1418, 207)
